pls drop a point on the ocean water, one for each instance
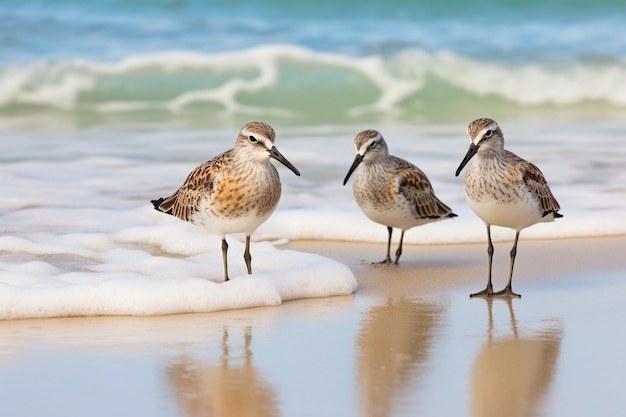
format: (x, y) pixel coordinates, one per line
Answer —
(107, 104)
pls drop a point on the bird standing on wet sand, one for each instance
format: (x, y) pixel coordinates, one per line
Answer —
(503, 190)
(235, 192)
(392, 191)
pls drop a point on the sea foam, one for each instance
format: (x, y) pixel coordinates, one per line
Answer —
(161, 269)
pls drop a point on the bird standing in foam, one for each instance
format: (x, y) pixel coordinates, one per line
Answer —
(235, 192)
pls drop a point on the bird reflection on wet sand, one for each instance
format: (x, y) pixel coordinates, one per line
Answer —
(392, 347)
(228, 387)
(513, 371)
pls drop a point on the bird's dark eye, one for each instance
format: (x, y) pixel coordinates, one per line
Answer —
(373, 144)
(488, 133)
(252, 139)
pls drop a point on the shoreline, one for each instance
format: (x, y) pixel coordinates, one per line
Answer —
(428, 269)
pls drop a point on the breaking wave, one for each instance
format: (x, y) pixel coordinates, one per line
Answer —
(299, 84)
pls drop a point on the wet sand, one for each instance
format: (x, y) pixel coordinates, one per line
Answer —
(408, 342)
(426, 269)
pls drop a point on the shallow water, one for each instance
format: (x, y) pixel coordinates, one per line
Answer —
(551, 353)
(76, 224)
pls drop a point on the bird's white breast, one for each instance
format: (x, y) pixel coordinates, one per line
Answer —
(223, 225)
(516, 214)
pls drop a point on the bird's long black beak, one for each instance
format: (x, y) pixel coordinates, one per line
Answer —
(470, 153)
(280, 158)
(357, 160)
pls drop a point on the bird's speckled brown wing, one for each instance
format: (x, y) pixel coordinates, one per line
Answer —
(415, 187)
(538, 186)
(199, 184)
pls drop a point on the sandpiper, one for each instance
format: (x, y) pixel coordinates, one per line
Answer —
(392, 191)
(503, 190)
(235, 192)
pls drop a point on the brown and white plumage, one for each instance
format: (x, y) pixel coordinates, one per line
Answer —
(390, 190)
(503, 189)
(235, 192)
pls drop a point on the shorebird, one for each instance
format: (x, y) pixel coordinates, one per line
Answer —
(503, 190)
(392, 191)
(235, 192)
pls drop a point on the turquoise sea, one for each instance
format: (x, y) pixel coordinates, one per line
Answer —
(219, 63)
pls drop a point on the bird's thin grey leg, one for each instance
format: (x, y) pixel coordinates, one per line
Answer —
(247, 257)
(399, 250)
(225, 258)
(488, 291)
(387, 260)
(508, 290)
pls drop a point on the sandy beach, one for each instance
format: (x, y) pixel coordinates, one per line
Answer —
(408, 341)
(426, 269)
